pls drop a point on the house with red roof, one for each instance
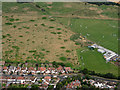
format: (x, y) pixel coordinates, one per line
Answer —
(47, 79)
(52, 70)
(5, 69)
(60, 69)
(24, 69)
(18, 69)
(32, 69)
(68, 69)
(42, 69)
(21, 79)
(74, 84)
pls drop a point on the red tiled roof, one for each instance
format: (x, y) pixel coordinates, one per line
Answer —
(31, 68)
(42, 68)
(23, 68)
(52, 68)
(4, 67)
(18, 68)
(20, 78)
(47, 77)
(68, 68)
(60, 68)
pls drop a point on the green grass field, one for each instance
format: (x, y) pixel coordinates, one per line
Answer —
(94, 60)
(103, 32)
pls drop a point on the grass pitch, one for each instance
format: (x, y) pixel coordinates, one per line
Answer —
(102, 32)
(93, 60)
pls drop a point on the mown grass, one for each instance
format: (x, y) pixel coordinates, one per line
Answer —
(93, 60)
(103, 32)
(61, 8)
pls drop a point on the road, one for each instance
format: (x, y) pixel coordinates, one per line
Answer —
(62, 77)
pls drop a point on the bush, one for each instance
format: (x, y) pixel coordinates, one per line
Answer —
(32, 20)
(37, 6)
(58, 28)
(74, 37)
(17, 19)
(3, 36)
(59, 33)
(43, 49)
(62, 47)
(68, 51)
(51, 27)
(59, 38)
(32, 51)
(14, 26)
(77, 43)
(43, 24)
(52, 20)
(16, 47)
(44, 17)
(63, 58)
(35, 24)
(12, 19)
(3, 43)
(65, 40)
(53, 32)
(8, 23)
(8, 34)
(20, 36)
(47, 51)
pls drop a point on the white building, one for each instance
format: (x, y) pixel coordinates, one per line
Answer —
(101, 50)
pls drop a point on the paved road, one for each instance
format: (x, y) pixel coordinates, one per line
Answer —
(62, 77)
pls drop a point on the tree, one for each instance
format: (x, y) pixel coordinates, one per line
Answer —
(85, 87)
(34, 86)
(87, 76)
(85, 71)
(50, 87)
(17, 73)
(3, 72)
(11, 72)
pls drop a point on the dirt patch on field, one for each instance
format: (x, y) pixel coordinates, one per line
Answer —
(93, 8)
(49, 6)
(49, 2)
(67, 6)
(99, 11)
(26, 9)
(32, 12)
(103, 16)
(14, 8)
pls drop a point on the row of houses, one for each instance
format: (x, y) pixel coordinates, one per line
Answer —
(73, 84)
(35, 70)
(43, 82)
(108, 54)
(96, 83)
(101, 84)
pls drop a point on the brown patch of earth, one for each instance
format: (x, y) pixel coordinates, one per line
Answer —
(14, 8)
(26, 9)
(49, 6)
(68, 6)
(100, 11)
(32, 12)
(93, 8)
(49, 2)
